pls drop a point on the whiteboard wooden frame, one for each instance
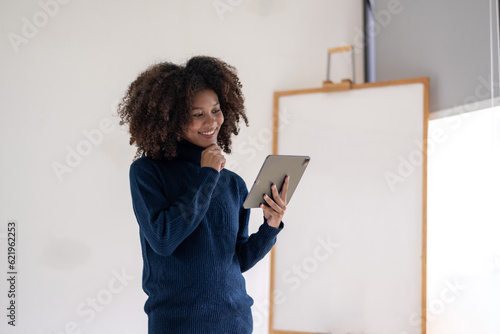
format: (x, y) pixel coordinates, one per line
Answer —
(425, 112)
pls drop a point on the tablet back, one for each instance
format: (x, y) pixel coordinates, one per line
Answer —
(274, 170)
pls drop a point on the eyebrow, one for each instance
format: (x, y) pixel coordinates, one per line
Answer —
(200, 108)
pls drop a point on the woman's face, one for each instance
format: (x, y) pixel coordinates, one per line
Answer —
(205, 120)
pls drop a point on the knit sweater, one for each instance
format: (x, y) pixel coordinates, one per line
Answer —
(195, 244)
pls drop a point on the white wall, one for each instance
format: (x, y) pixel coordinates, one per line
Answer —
(77, 233)
(463, 293)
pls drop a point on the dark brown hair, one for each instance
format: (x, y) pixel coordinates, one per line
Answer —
(157, 104)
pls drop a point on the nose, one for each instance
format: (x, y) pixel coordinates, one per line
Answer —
(210, 118)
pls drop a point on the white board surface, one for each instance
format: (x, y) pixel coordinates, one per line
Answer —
(350, 257)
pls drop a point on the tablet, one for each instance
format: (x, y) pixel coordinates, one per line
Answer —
(274, 170)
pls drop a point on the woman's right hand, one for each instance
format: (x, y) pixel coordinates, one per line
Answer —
(212, 157)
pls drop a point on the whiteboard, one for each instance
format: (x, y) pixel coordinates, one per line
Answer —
(351, 258)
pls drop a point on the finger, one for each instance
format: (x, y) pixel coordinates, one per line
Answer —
(209, 148)
(284, 189)
(214, 152)
(213, 148)
(268, 211)
(276, 196)
(270, 215)
(273, 204)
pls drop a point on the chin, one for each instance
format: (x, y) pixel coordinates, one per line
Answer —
(206, 143)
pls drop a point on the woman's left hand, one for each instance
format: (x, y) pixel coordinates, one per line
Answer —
(276, 206)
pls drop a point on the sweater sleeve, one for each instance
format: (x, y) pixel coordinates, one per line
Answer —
(165, 225)
(251, 249)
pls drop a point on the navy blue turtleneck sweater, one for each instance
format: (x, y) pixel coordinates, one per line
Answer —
(195, 244)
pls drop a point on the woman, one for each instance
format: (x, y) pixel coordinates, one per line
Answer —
(192, 225)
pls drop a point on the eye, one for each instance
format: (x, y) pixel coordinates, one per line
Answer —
(215, 111)
(197, 115)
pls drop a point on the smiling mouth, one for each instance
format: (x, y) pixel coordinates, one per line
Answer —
(208, 133)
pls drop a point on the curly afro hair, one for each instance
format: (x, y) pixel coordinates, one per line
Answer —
(157, 104)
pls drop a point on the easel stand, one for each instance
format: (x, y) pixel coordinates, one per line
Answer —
(345, 84)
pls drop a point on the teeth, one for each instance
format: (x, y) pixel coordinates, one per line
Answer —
(208, 133)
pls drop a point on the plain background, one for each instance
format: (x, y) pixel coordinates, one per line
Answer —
(75, 235)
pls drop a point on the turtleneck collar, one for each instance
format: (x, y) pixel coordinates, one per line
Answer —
(187, 151)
